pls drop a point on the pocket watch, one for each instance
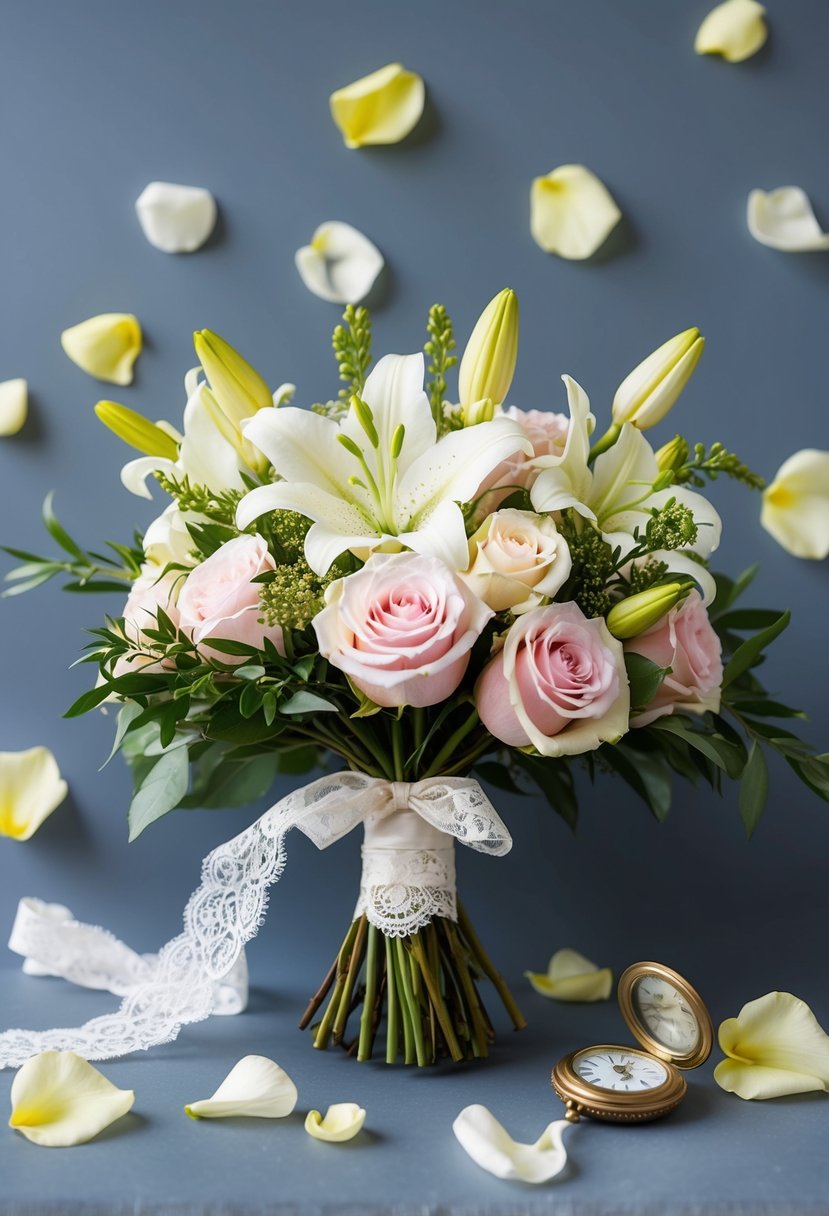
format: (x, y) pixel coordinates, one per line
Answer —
(633, 1084)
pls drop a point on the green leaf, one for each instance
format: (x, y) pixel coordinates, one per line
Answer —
(555, 780)
(814, 772)
(746, 655)
(88, 700)
(754, 789)
(226, 726)
(729, 591)
(250, 700)
(716, 749)
(748, 618)
(645, 678)
(295, 761)
(126, 714)
(497, 774)
(236, 784)
(57, 532)
(645, 772)
(161, 790)
(250, 671)
(764, 708)
(304, 702)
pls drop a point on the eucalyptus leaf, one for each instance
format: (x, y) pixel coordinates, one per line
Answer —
(162, 789)
(304, 702)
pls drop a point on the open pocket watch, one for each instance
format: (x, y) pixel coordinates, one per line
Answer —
(629, 1084)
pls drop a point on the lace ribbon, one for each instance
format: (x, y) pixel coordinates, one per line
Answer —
(408, 878)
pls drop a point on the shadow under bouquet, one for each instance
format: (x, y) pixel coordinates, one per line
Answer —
(431, 593)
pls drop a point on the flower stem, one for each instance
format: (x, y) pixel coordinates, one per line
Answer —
(367, 1025)
(392, 1027)
(488, 967)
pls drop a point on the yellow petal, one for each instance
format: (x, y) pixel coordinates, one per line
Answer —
(784, 219)
(58, 1099)
(491, 1147)
(105, 346)
(572, 213)
(14, 406)
(379, 109)
(342, 1122)
(775, 1046)
(572, 977)
(736, 30)
(31, 787)
(796, 504)
(256, 1087)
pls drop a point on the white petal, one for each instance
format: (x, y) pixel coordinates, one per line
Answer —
(736, 30)
(394, 392)
(134, 474)
(338, 525)
(31, 787)
(679, 563)
(301, 446)
(342, 1122)
(58, 1100)
(621, 475)
(566, 480)
(441, 534)
(205, 454)
(340, 264)
(572, 977)
(796, 504)
(572, 213)
(775, 1047)
(14, 406)
(492, 1148)
(784, 219)
(706, 517)
(105, 346)
(176, 219)
(381, 108)
(256, 1087)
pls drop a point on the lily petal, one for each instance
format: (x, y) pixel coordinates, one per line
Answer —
(340, 264)
(134, 474)
(105, 346)
(492, 1148)
(784, 219)
(736, 30)
(572, 213)
(572, 977)
(31, 787)
(381, 108)
(342, 1122)
(774, 1047)
(394, 393)
(58, 1100)
(176, 219)
(256, 1087)
(14, 406)
(796, 504)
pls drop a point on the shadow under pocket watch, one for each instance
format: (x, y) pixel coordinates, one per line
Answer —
(633, 1084)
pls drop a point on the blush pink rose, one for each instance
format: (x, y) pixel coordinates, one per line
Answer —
(685, 641)
(547, 432)
(401, 628)
(219, 600)
(559, 684)
(150, 591)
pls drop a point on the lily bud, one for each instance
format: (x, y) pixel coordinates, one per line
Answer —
(136, 430)
(672, 456)
(646, 395)
(481, 411)
(639, 612)
(488, 363)
(239, 390)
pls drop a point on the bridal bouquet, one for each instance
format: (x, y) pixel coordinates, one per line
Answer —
(429, 591)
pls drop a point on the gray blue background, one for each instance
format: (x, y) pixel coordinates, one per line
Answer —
(100, 98)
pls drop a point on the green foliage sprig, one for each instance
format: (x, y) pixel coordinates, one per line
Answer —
(352, 350)
(710, 463)
(199, 499)
(438, 349)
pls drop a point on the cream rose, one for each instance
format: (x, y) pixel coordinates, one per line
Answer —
(685, 641)
(516, 560)
(219, 600)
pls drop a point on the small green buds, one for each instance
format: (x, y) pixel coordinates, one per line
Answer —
(672, 456)
(136, 430)
(632, 616)
(488, 363)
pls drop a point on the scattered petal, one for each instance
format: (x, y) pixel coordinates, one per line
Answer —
(342, 1122)
(176, 219)
(736, 30)
(14, 406)
(340, 264)
(256, 1087)
(31, 787)
(784, 219)
(492, 1148)
(796, 504)
(572, 213)
(58, 1100)
(381, 108)
(774, 1047)
(105, 346)
(572, 977)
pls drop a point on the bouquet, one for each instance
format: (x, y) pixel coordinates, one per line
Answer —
(430, 592)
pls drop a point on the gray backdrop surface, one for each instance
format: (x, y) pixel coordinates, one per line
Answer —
(99, 98)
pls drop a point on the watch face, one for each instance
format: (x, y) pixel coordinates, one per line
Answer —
(618, 1069)
(665, 1014)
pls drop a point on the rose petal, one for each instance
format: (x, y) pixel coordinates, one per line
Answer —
(775, 1047)
(784, 219)
(736, 30)
(572, 977)
(31, 787)
(256, 1087)
(381, 108)
(492, 1148)
(796, 504)
(105, 346)
(572, 213)
(58, 1100)
(340, 264)
(176, 219)
(14, 406)
(342, 1122)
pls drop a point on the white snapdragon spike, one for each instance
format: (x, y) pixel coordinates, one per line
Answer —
(14, 406)
(572, 213)
(59, 1100)
(31, 787)
(572, 977)
(378, 477)
(774, 1047)
(796, 504)
(381, 108)
(492, 1148)
(735, 30)
(176, 219)
(105, 346)
(342, 1121)
(784, 219)
(256, 1087)
(340, 264)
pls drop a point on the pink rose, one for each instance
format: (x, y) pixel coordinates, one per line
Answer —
(547, 432)
(401, 628)
(559, 683)
(218, 599)
(685, 641)
(150, 591)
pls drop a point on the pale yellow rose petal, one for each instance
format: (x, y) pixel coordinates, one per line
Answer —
(31, 787)
(774, 1047)
(784, 219)
(256, 1087)
(491, 1147)
(381, 108)
(58, 1100)
(105, 346)
(736, 30)
(796, 505)
(340, 264)
(572, 977)
(572, 213)
(14, 406)
(342, 1122)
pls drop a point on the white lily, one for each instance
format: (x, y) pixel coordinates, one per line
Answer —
(774, 1047)
(14, 406)
(492, 1148)
(796, 504)
(784, 219)
(340, 264)
(342, 1122)
(378, 477)
(31, 787)
(59, 1100)
(176, 219)
(572, 977)
(256, 1087)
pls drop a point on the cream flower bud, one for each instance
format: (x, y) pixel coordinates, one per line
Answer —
(516, 560)
(488, 363)
(647, 394)
(237, 387)
(136, 430)
(634, 615)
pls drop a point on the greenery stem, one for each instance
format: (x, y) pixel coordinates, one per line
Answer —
(488, 967)
(367, 1027)
(392, 1026)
